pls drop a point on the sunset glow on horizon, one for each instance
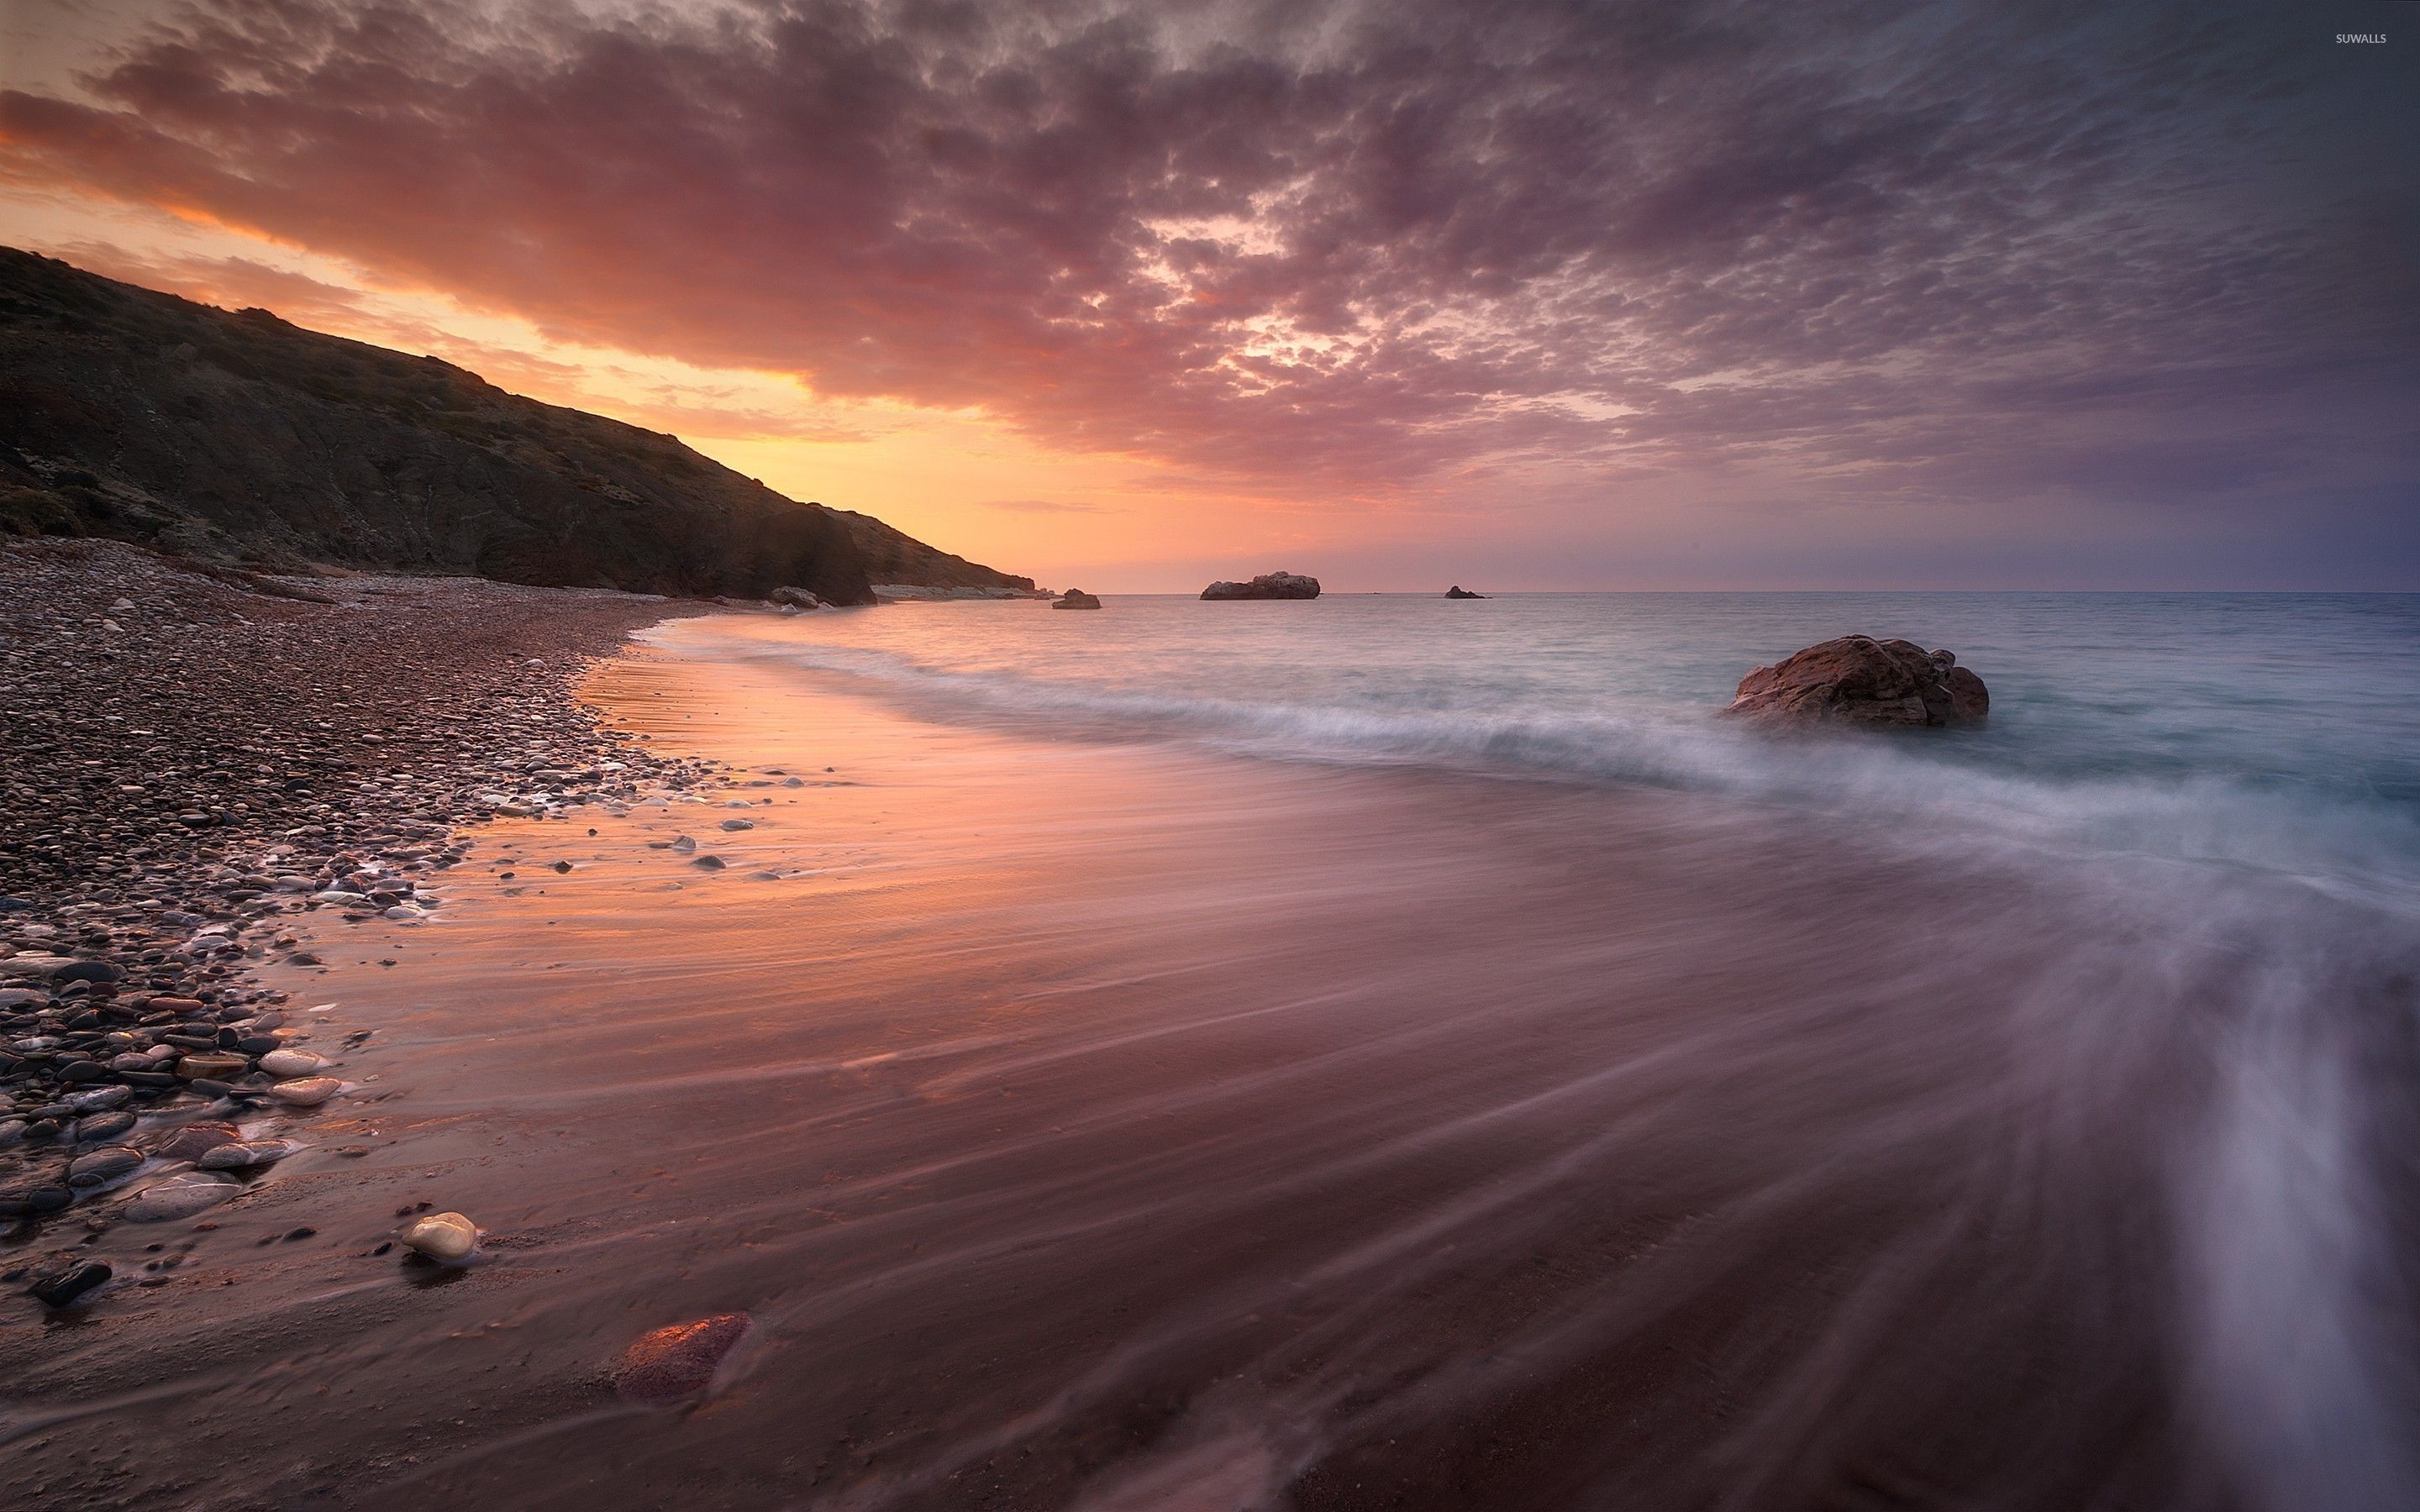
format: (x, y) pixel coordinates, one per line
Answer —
(1129, 298)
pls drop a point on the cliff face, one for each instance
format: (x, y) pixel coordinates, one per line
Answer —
(134, 414)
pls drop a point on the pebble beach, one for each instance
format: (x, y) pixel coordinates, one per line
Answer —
(193, 761)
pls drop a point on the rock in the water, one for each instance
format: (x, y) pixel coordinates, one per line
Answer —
(72, 1283)
(94, 1128)
(211, 1065)
(180, 1197)
(740, 823)
(1078, 598)
(1457, 591)
(1860, 680)
(307, 1093)
(103, 1165)
(710, 863)
(795, 598)
(34, 1198)
(674, 1363)
(1267, 585)
(284, 1063)
(246, 1154)
(194, 1140)
(442, 1236)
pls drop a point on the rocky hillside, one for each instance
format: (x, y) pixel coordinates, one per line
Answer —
(129, 414)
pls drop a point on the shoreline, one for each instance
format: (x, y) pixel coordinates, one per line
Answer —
(199, 760)
(1093, 1123)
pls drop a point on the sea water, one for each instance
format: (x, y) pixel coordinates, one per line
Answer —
(2262, 729)
(2212, 799)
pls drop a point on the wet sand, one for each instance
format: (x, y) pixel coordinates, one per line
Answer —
(1110, 1125)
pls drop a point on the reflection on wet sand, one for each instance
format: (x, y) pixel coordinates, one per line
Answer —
(1115, 1127)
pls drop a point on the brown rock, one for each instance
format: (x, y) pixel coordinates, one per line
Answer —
(1860, 680)
(194, 1140)
(679, 1362)
(216, 1067)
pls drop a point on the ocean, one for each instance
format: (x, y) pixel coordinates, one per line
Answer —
(2275, 732)
(2136, 960)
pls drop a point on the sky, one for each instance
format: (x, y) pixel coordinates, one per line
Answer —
(1664, 294)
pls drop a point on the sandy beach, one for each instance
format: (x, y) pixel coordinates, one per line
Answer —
(1103, 1124)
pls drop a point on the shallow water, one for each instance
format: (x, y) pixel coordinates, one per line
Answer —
(1335, 1061)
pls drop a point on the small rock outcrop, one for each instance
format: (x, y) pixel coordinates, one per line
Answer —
(1457, 591)
(794, 598)
(1075, 598)
(1860, 680)
(1267, 585)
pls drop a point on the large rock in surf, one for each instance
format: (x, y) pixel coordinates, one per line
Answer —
(1075, 598)
(1860, 680)
(1457, 591)
(1267, 585)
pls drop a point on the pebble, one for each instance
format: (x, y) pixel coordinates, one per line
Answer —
(194, 1140)
(672, 1364)
(103, 1165)
(180, 1197)
(710, 863)
(65, 1287)
(205, 1066)
(246, 1154)
(34, 1198)
(441, 1236)
(738, 823)
(97, 1126)
(307, 1093)
(684, 843)
(287, 1063)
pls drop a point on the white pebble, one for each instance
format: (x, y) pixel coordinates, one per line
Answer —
(307, 1093)
(442, 1236)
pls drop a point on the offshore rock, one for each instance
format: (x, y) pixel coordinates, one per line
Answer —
(1267, 585)
(1078, 598)
(1860, 680)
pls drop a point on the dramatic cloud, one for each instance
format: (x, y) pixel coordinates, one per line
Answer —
(2148, 253)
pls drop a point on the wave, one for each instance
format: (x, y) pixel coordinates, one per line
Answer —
(2338, 844)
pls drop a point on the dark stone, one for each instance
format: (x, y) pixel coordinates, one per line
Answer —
(194, 1140)
(101, 1126)
(1075, 598)
(72, 1283)
(95, 971)
(1860, 680)
(1457, 591)
(34, 1198)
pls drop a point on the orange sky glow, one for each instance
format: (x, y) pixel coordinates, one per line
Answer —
(1536, 297)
